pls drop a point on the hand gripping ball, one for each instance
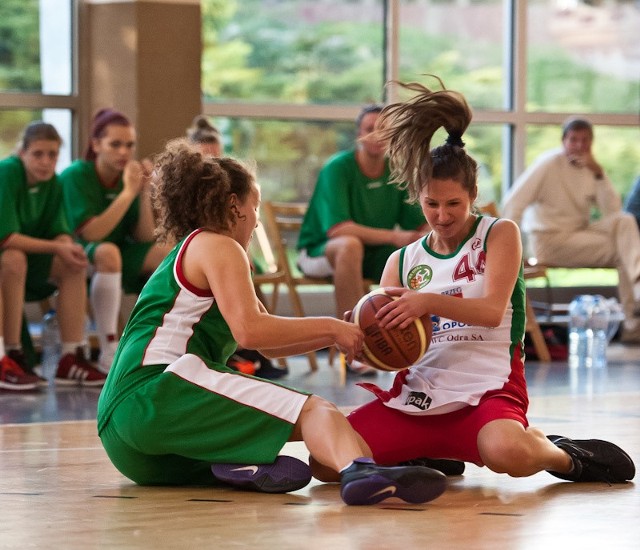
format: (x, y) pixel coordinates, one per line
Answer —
(394, 349)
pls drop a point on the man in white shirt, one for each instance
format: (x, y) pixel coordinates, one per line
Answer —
(555, 200)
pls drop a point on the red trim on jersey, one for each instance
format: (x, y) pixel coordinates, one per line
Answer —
(203, 292)
(6, 239)
(80, 227)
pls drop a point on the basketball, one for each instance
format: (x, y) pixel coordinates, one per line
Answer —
(389, 350)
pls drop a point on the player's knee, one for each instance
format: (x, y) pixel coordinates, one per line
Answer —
(107, 258)
(13, 262)
(350, 251)
(512, 457)
(317, 404)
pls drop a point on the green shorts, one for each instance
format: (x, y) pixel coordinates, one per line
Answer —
(174, 426)
(133, 255)
(38, 286)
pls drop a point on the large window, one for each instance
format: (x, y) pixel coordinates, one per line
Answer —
(288, 51)
(583, 56)
(289, 154)
(295, 68)
(36, 69)
(446, 38)
(286, 78)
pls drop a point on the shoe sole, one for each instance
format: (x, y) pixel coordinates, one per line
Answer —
(413, 487)
(18, 387)
(446, 466)
(75, 382)
(621, 464)
(284, 475)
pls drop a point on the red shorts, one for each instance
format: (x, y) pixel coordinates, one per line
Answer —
(394, 436)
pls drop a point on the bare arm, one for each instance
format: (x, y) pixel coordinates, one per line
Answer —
(227, 274)
(63, 246)
(98, 227)
(376, 236)
(144, 231)
(504, 258)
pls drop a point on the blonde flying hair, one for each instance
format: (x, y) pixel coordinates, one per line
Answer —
(408, 127)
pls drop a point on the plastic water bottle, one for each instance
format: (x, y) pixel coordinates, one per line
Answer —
(616, 316)
(50, 345)
(580, 332)
(599, 323)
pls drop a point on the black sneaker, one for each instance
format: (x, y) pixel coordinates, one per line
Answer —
(364, 482)
(271, 371)
(285, 474)
(595, 460)
(446, 466)
(264, 367)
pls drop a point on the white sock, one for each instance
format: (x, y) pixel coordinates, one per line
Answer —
(105, 297)
(71, 347)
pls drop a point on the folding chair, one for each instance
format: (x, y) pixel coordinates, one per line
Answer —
(284, 220)
(269, 274)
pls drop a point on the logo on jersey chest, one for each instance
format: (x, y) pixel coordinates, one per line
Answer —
(419, 277)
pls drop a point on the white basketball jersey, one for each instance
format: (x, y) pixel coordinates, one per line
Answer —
(463, 362)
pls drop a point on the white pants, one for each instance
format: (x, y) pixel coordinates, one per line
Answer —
(318, 266)
(613, 241)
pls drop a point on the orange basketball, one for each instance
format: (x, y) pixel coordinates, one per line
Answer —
(389, 350)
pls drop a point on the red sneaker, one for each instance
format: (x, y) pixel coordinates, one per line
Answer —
(18, 356)
(12, 377)
(74, 369)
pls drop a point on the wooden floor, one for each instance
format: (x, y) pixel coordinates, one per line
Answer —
(59, 490)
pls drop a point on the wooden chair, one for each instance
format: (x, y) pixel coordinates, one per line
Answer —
(531, 271)
(274, 274)
(270, 274)
(283, 221)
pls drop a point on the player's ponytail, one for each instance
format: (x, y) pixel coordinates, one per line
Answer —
(408, 127)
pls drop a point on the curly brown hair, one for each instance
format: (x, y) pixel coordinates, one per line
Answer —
(192, 191)
(408, 127)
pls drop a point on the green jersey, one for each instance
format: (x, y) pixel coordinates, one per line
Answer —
(32, 210)
(170, 406)
(170, 319)
(85, 197)
(343, 193)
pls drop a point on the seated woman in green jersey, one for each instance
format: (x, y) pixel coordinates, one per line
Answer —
(106, 198)
(172, 412)
(355, 219)
(37, 257)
